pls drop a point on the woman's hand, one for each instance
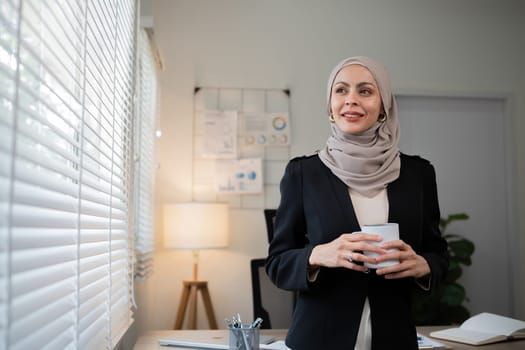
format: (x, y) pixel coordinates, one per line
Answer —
(345, 251)
(410, 264)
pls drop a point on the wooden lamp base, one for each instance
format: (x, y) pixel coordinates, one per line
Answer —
(189, 297)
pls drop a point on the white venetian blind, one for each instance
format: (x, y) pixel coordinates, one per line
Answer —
(145, 127)
(66, 86)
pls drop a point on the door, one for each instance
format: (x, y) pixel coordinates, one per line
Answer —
(465, 139)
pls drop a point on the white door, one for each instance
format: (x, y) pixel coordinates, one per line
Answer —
(465, 139)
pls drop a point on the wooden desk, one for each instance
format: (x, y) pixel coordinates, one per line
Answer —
(150, 340)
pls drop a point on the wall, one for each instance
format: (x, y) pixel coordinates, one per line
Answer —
(470, 47)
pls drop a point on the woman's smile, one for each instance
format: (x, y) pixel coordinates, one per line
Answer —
(355, 100)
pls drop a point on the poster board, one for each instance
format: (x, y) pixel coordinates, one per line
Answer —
(259, 121)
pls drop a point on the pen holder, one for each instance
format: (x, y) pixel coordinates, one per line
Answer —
(244, 338)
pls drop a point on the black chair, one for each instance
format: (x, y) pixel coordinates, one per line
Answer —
(275, 306)
(269, 217)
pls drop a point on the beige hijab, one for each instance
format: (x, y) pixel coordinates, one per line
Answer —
(367, 162)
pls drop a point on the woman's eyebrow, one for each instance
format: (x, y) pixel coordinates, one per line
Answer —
(360, 84)
(363, 83)
(341, 83)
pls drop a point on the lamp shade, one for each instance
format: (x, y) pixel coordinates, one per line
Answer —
(196, 225)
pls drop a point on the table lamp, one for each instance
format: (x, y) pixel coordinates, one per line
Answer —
(195, 226)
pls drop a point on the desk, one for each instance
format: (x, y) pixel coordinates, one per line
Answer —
(150, 340)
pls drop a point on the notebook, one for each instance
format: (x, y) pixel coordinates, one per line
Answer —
(484, 328)
(208, 339)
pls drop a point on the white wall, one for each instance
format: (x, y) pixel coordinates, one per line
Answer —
(469, 47)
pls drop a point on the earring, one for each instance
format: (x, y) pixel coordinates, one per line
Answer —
(332, 120)
(381, 118)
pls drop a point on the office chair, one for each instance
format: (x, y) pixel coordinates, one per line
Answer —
(269, 217)
(275, 306)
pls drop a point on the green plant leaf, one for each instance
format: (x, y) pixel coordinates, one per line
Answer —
(453, 294)
(457, 217)
(461, 250)
(453, 265)
(465, 261)
(443, 223)
(463, 246)
(454, 273)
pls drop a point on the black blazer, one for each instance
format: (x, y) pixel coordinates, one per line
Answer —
(316, 208)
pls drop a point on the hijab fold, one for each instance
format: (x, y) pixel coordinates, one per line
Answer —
(369, 161)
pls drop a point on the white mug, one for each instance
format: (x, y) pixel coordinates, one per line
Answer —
(389, 232)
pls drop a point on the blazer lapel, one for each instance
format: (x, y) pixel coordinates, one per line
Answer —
(329, 187)
(404, 201)
(395, 199)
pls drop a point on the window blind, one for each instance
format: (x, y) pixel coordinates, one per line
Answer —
(66, 114)
(146, 116)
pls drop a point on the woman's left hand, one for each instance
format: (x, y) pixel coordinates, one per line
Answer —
(410, 264)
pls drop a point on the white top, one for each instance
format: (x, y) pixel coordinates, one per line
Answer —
(369, 211)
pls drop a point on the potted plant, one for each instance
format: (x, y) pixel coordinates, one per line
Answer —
(444, 305)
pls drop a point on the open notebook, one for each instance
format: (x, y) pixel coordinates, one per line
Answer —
(484, 328)
(213, 339)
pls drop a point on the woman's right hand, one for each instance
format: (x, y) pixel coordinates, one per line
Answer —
(345, 251)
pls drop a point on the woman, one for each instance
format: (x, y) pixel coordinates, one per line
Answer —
(359, 178)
